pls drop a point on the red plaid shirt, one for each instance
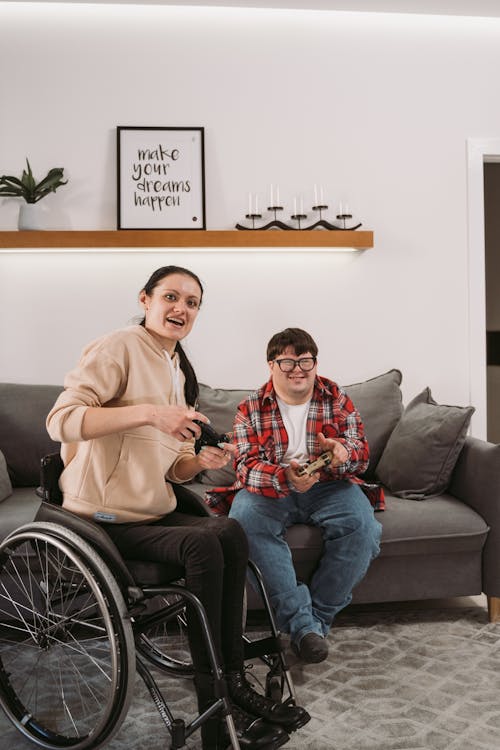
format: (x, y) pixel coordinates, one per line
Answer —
(261, 442)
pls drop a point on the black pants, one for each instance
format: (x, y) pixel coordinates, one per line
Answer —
(214, 554)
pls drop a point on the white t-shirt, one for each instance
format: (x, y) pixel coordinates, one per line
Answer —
(176, 378)
(295, 420)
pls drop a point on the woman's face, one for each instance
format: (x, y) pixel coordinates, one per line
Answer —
(171, 309)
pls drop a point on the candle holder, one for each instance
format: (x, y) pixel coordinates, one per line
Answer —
(321, 208)
(298, 218)
(253, 217)
(274, 224)
(321, 222)
(275, 209)
(343, 218)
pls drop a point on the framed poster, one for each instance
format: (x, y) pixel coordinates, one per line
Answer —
(161, 178)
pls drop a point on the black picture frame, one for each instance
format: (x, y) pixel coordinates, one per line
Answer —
(160, 177)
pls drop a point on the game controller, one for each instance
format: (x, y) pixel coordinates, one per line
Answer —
(312, 466)
(209, 436)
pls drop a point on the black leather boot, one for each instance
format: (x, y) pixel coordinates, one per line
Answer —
(283, 715)
(253, 732)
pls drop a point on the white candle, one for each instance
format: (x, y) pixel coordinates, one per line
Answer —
(315, 195)
(301, 206)
(295, 206)
(277, 195)
(272, 197)
(256, 203)
(322, 200)
(340, 208)
(249, 203)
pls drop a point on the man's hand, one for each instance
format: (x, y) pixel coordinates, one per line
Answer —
(300, 482)
(339, 452)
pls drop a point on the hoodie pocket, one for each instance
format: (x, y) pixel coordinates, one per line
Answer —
(138, 479)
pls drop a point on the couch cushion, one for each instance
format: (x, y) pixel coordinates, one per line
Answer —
(440, 527)
(421, 453)
(380, 404)
(20, 508)
(220, 406)
(5, 484)
(23, 437)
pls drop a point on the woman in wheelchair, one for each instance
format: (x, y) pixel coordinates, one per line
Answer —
(128, 424)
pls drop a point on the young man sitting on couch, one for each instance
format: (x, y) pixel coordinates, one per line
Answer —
(295, 418)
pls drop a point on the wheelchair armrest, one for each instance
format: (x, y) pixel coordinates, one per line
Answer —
(51, 468)
(189, 502)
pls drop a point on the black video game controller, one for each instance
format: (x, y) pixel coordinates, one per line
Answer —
(209, 436)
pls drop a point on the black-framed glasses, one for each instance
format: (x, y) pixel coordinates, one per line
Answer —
(306, 364)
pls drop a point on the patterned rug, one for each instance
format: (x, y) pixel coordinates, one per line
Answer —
(396, 679)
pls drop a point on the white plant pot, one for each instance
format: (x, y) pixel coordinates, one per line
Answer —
(31, 216)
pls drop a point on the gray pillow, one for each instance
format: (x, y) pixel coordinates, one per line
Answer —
(5, 485)
(380, 404)
(220, 406)
(422, 451)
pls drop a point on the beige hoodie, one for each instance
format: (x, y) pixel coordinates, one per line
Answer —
(121, 477)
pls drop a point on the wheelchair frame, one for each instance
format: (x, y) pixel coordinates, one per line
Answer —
(72, 611)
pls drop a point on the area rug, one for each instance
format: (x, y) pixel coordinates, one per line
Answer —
(395, 679)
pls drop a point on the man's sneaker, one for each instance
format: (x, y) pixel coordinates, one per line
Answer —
(312, 648)
(288, 716)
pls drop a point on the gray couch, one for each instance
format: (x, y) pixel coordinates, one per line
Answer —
(441, 528)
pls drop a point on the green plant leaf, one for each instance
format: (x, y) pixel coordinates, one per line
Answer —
(27, 187)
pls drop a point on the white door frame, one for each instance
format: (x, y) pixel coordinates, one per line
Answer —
(479, 151)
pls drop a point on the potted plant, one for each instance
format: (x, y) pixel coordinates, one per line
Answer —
(31, 191)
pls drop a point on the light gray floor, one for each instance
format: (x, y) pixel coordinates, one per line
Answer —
(405, 676)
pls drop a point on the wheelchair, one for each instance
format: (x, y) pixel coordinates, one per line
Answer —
(77, 622)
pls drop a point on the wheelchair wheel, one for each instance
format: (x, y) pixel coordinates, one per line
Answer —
(165, 643)
(67, 657)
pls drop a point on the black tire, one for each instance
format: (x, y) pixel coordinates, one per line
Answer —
(67, 655)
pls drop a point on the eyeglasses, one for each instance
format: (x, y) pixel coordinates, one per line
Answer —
(306, 364)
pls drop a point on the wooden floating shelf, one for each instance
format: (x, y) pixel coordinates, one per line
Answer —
(177, 238)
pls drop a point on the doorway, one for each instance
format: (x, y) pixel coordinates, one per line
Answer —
(480, 151)
(492, 280)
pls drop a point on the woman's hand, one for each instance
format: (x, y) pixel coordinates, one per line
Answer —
(177, 421)
(215, 458)
(207, 458)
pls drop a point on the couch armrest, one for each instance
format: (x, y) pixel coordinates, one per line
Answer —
(476, 481)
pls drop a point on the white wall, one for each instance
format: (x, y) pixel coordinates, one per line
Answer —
(376, 108)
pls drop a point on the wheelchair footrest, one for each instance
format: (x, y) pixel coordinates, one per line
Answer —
(263, 647)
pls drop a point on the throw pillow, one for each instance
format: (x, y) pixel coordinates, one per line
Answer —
(380, 404)
(220, 406)
(5, 485)
(422, 451)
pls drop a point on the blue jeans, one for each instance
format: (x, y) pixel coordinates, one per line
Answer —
(351, 537)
